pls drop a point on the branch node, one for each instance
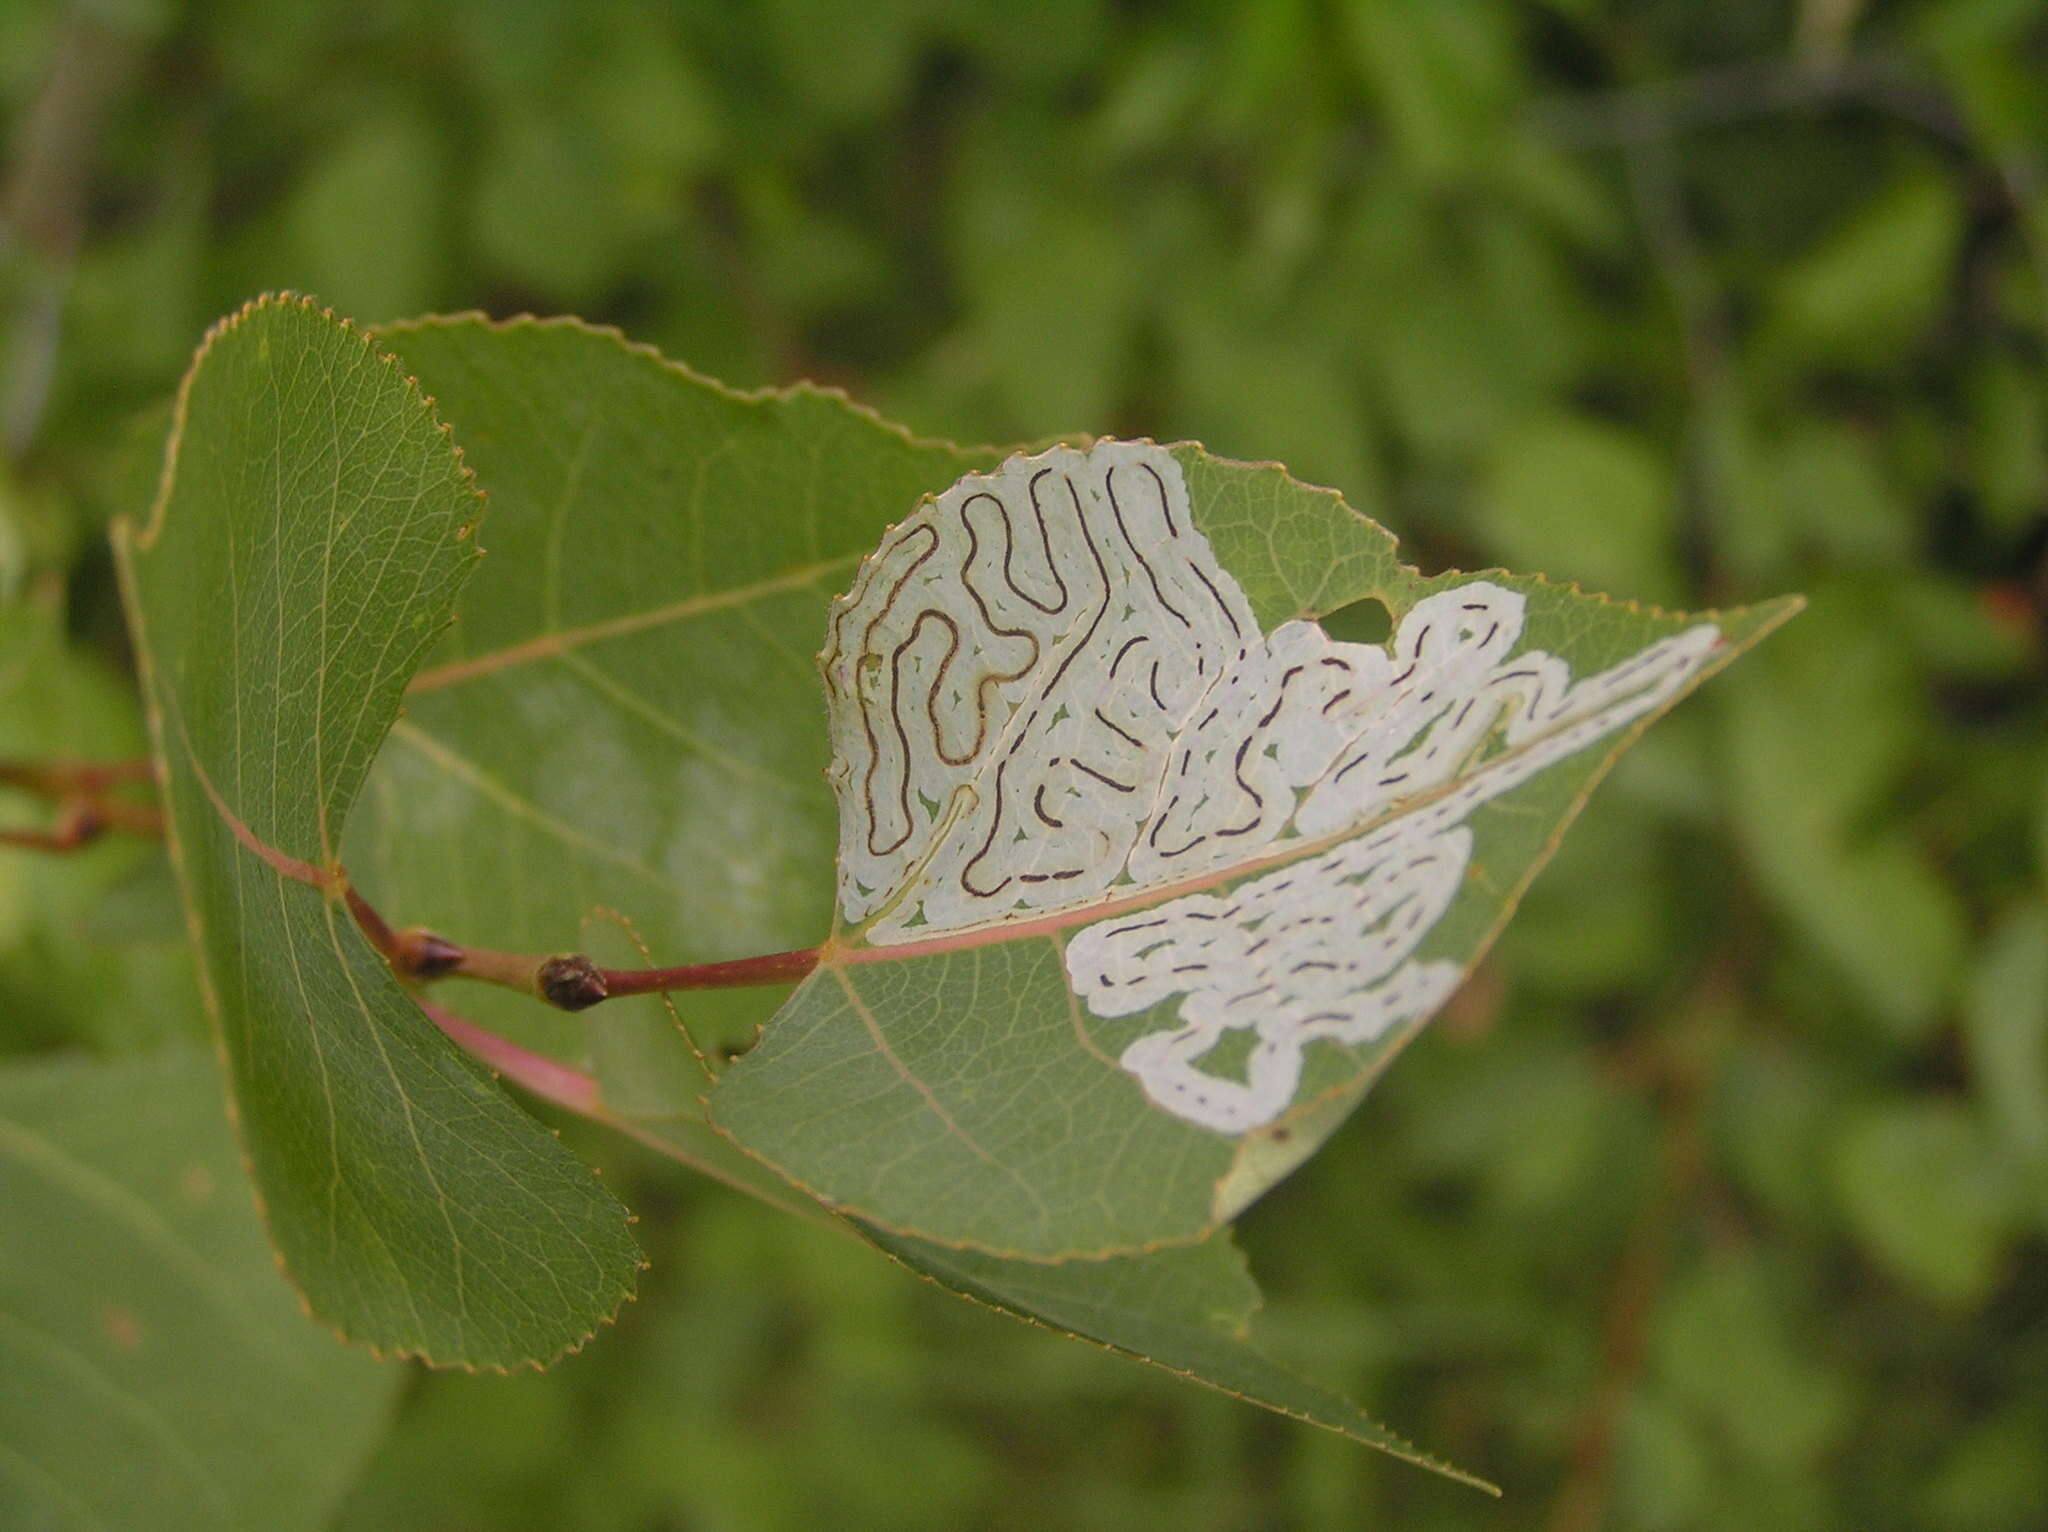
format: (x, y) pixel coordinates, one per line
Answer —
(571, 982)
(419, 954)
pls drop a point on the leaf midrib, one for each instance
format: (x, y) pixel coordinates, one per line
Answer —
(838, 949)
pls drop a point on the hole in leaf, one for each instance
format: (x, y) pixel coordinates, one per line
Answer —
(1231, 1056)
(1362, 622)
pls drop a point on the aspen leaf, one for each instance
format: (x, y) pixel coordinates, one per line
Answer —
(624, 727)
(1143, 876)
(313, 528)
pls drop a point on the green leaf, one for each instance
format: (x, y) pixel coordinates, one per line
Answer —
(71, 968)
(311, 535)
(158, 1371)
(390, 264)
(1438, 77)
(1187, 1310)
(1588, 500)
(662, 558)
(1079, 800)
(1875, 281)
(650, 1078)
(1723, 1347)
(625, 720)
(626, 715)
(1053, 290)
(2008, 452)
(1663, 1468)
(1996, 1476)
(1287, 397)
(2038, 831)
(1925, 1191)
(1833, 487)
(547, 211)
(2008, 1032)
(1818, 736)
(844, 60)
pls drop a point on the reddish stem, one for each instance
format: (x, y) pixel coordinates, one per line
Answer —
(83, 821)
(85, 812)
(70, 834)
(413, 953)
(71, 779)
(569, 981)
(739, 973)
(133, 818)
(373, 925)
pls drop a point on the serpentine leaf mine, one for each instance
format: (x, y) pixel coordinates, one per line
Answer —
(1050, 703)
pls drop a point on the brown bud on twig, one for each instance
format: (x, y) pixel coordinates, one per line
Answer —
(571, 982)
(420, 954)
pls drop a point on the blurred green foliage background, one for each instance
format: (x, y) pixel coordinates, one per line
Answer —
(1720, 1197)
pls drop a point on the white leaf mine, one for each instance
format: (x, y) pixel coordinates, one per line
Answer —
(1007, 679)
(1047, 695)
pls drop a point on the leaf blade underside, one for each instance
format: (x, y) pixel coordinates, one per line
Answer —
(311, 533)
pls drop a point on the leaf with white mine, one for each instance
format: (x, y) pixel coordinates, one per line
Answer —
(1143, 876)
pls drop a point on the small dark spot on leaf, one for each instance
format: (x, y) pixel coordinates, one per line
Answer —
(121, 1328)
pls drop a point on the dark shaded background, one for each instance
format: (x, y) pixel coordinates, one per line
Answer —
(1718, 1199)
